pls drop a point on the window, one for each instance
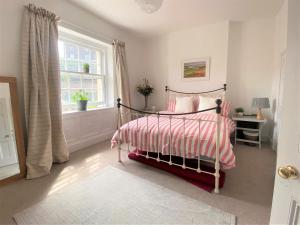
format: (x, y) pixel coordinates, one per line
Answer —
(75, 50)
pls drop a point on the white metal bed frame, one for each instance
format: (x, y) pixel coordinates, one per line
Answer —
(137, 113)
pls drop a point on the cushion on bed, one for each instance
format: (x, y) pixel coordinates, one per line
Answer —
(225, 106)
(184, 105)
(171, 105)
(207, 103)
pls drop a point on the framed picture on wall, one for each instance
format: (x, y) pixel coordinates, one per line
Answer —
(196, 69)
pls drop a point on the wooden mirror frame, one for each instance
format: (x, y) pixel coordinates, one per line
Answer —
(12, 82)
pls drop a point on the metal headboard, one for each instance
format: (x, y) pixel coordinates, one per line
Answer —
(167, 89)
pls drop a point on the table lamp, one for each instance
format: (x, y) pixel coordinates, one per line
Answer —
(260, 103)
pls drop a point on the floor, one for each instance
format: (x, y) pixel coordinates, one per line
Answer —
(247, 192)
(8, 171)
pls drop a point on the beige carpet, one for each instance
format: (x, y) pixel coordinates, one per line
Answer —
(113, 196)
(247, 192)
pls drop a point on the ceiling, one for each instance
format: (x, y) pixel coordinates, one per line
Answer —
(178, 14)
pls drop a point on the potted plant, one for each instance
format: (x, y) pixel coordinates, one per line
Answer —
(146, 90)
(239, 111)
(86, 68)
(81, 97)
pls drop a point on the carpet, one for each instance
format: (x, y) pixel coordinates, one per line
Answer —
(114, 196)
(201, 180)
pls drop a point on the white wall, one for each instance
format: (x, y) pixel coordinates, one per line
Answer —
(242, 55)
(167, 53)
(98, 124)
(250, 64)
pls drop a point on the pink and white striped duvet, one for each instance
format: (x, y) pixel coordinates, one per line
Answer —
(189, 143)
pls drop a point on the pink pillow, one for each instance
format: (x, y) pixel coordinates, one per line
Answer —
(172, 105)
(225, 108)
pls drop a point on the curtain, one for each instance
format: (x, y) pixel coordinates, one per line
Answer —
(40, 71)
(122, 78)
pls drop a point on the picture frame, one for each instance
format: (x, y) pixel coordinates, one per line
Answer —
(196, 69)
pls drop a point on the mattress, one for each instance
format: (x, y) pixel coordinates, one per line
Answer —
(195, 136)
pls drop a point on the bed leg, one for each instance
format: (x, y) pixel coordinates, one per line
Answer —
(217, 162)
(119, 156)
(119, 129)
(217, 190)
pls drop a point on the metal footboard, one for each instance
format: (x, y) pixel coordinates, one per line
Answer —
(170, 117)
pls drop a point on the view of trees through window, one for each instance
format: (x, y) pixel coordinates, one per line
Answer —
(73, 56)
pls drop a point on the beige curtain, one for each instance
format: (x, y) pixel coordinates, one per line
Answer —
(40, 70)
(122, 78)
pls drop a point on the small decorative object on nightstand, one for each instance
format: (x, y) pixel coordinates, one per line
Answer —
(248, 129)
(239, 111)
(260, 103)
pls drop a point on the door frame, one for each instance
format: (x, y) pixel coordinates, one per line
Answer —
(279, 93)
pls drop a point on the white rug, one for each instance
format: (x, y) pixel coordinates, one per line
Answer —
(117, 197)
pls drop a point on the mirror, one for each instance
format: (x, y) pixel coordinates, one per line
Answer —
(12, 154)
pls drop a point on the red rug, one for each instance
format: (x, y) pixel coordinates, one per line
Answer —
(201, 180)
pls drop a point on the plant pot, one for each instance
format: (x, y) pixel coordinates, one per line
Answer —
(86, 70)
(240, 114)
(82, 105)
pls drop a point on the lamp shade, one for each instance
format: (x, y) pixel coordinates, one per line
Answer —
(261, 103)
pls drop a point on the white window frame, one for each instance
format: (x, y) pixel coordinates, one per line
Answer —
(82, 40)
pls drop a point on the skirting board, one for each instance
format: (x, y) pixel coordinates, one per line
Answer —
(89, 141)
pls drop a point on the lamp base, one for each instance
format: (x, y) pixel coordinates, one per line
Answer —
(259, 115)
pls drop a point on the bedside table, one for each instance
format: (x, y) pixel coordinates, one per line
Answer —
(248, 123)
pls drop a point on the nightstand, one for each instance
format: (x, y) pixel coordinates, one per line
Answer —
(250, 124)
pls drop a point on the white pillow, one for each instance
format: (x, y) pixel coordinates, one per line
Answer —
(207, 103)
(184, 105)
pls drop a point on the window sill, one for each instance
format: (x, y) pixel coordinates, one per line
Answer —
(73, 113)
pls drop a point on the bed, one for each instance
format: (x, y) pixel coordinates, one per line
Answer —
(200, 135)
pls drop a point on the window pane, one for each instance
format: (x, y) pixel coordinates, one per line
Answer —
(72, 93)
(87, 83)
(99, 93)
(64, 80)
(103, 63)
(62, 64)
(93, 67)
(65, 98)
(93, 55)
(71, 51)
(61, 51)
(90, 95)
(75, 82)
(71, 65)
(84, 54)
(80, 66)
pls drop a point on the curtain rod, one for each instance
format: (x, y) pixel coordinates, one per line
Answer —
(103, 38)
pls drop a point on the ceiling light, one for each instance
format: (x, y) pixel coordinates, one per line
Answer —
(149, 6)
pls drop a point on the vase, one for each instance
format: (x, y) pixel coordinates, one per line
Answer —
(146, 102)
